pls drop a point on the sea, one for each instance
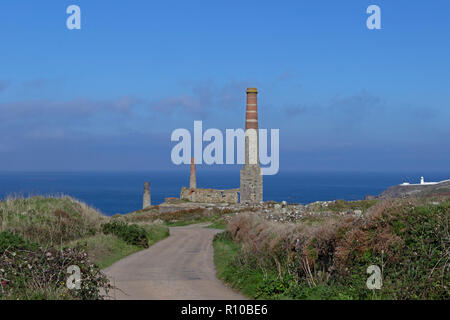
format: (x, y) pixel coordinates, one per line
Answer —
(121, 192)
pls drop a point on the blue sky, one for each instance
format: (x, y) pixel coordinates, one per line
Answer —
(108, 96)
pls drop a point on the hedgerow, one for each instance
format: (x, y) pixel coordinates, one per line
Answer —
(407, 239)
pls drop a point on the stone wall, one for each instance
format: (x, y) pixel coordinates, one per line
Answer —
(210, 195)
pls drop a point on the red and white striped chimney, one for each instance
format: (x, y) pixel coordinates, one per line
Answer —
(251, 188)
(251, 128)
(251, 117)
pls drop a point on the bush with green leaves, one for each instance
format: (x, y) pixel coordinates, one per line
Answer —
(11, 241)
(36, 273)
(130, 233)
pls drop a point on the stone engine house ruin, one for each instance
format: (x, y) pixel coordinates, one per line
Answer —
(251, 180)
(251, 188)
(210, 195)
(195, 194)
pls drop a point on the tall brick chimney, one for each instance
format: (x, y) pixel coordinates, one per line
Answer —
(193, 177)
(146, 202)
(251, 116)
(251, 179)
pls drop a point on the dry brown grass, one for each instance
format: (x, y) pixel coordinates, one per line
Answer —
(49, 220)
(312, 251)
(407, 238)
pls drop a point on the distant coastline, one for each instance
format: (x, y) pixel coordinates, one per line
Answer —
(121, 192)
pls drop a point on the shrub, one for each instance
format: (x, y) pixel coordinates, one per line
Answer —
(130, 233)
(273, 286)
(42, 274)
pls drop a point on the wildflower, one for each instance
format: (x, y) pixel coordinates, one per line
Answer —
(4, 283)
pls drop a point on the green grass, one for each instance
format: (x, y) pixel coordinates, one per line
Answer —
(56, 221)
(255, 283)
(252, 282)
(104, 250)
(172, 219)
(179, 218)
(186, 222)
(237, 277)
(155, 232)
(41, 224)
(218, 223)
(49, 221)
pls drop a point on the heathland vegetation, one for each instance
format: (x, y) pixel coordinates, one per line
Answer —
(40, 237)
(216, 217)
(321, 254)
(407, 238)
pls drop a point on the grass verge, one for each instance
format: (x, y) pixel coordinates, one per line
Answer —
(41, 236)
(218, 223)
(256, 283)
(238, 277)
(407, 239)
(105, 249)
(179, 218)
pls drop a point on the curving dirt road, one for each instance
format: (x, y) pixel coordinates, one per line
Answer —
(178, 267)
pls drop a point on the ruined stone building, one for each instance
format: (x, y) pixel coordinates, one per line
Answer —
(251, 188)
(195, 194)
(251, 181)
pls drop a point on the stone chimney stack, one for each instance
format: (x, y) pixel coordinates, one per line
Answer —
(146, 203)
(251, 179)
(193, 177)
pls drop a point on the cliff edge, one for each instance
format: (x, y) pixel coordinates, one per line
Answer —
(403, 191)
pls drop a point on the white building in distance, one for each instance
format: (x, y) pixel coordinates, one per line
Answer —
(422, 183)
